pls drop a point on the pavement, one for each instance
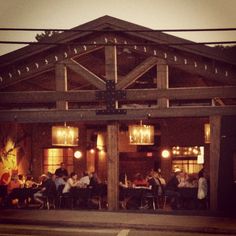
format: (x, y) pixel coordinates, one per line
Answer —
(121, 219)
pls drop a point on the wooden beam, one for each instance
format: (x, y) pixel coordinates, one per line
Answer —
(61, 84)
(111, 63)
(205, 67)
(162, 81)
(113, 166)
(137, 72)
(112, 136)
(87, 75)
(131, 95)
(32, 67)
(53, 115)
(47, 96)
(181, 93)
(215, 140)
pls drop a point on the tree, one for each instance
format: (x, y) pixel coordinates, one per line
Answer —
(46, 35)
(230, 51)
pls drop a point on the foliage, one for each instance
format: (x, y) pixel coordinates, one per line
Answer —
(230, 51)
(46, 35)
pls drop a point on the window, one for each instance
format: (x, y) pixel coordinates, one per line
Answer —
(188, 159)
(189, 166)
(54, 156)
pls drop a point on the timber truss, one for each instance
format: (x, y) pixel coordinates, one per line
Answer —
(114, 95)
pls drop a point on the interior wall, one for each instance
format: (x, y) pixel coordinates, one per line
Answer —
(226, 184)
(15, 150)
(181, 132)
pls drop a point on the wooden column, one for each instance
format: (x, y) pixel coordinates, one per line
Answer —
(112, 136)
(61, 84)
(162, 81)
(113, 166)
(215, 126)
(111, 63)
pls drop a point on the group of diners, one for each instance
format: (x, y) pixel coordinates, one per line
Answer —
(141, 192)
(24, 191)
(182, 190)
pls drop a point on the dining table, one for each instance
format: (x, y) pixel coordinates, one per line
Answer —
(133, 197)
(188, 197)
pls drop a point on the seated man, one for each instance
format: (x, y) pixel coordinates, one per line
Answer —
(48, 188)
(171, 191)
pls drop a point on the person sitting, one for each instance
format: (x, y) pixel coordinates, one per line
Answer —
(94, 180)
(171, 191)
(59, 181)
(48, 189)
(21, 180)
(140, 181)
(62, 171)
(85, 180)
(12, 190)
(13, 184)
(70, 183)
(30, 183)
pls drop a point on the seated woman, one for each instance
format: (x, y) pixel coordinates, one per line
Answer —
(140, 181)
(70, 183)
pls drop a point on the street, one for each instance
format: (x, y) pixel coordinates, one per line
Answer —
(20, 230)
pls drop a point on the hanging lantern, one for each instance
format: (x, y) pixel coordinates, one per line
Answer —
(141, 134)
(65, 136)
(207, 133)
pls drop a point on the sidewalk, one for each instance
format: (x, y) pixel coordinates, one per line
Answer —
(126, 220)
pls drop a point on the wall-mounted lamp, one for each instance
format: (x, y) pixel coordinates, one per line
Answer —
(207, 133)
(165, 153)
(78, 154)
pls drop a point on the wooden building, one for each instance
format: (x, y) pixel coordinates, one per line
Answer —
(106, 75)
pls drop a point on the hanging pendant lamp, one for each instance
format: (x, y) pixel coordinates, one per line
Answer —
(141, 134)
(65, 136)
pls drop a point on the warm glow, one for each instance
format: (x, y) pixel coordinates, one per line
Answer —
(65, 136)
(165, 153)
(186, 151)
(207, 133)
(92, 151)
(200, 157)
(100, 141)
(141, 134)
(78, 154)
(53, 158)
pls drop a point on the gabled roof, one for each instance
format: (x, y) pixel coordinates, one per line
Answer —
(117, 24)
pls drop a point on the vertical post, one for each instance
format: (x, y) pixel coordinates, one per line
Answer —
(162, 81)
(61, 84)
(215, 126)
(113, 166)
(112, 136)
(111, 63)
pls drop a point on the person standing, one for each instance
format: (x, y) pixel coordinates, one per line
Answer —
(202, 190)
(62, 171)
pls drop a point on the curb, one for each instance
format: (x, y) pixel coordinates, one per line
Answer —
(148, 227)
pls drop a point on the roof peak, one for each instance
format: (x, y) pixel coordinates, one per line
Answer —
(118, 24)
